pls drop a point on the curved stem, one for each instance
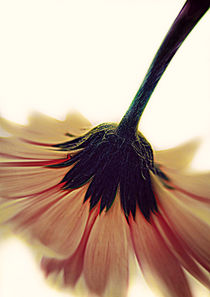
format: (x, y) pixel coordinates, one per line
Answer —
(188, 17)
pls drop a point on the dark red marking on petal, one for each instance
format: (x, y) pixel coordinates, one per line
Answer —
(36, 143)
(35, 163)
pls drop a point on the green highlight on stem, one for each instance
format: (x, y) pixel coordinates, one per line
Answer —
(190, 14)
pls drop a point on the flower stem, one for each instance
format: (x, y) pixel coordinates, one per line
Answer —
(188, 17)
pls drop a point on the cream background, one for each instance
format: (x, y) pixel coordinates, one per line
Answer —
(91, 55)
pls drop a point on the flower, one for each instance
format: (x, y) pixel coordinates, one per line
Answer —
(121, 202)
(94, 197)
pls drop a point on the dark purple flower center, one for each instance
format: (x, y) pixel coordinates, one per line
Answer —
(109, 163)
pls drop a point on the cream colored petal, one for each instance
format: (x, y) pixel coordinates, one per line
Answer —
(192, 231)
(106, 255)
(78, 123)
(160, 267)
(42, 128)
(12, 147)
(179, 157)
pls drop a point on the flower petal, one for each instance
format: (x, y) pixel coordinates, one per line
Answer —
(42, 128)
(178, 248)
(192, 190)
(72, 266)
(192, 184)
(192, 231)
(106, 255)
(14, 148)
(19, 182)
(179, 157)
(54, 217)
(160, 267)
(62, 225)
(200, 209)
(32, 197)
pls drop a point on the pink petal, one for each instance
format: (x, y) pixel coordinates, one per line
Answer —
(22, 182)
(56, 218)
(179, 157)
(195, 185)
(61, 227)
(160, 267)
(176, 246)
(190, 229)
(31, 194)
(198, 208)
(106, 255)
(72, 266)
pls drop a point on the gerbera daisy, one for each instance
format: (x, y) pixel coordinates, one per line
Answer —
(95, 196)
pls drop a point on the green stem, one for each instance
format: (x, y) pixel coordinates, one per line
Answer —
(188, 17)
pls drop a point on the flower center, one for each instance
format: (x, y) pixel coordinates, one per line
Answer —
(110, 163)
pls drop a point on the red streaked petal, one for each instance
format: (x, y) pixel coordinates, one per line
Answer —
(31, 194)
(198, 204)
(177, 247)
(178, 157)
(72, 266)
(106, 255)
(25, 181)
(56, 219)
(198, 208)
(160, 267)
(32, 207)
(61, 227)
(196, 185)
(192, 231)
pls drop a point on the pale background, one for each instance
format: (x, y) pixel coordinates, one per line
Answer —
(91, 55)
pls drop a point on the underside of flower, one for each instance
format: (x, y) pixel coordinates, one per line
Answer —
(47, 205)
(107, 162)
(73, 191)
